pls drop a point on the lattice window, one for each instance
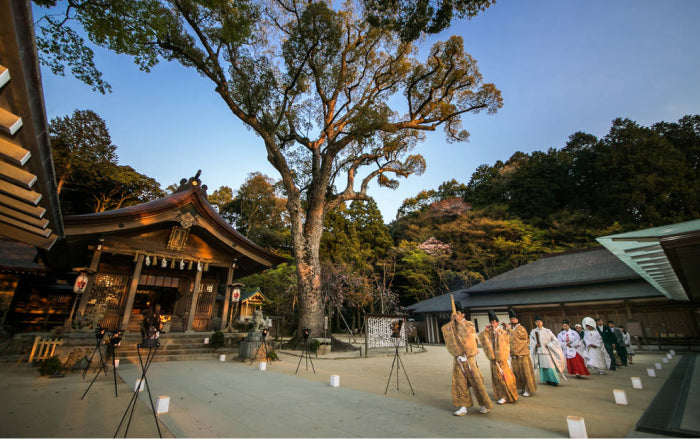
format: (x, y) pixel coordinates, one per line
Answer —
(108, 290)
(379, 331)
(206, 297)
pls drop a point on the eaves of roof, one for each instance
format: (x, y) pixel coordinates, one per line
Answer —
(166, 209)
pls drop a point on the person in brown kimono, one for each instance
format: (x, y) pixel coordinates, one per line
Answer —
(460, 340)
(520, 359)
(496, 344)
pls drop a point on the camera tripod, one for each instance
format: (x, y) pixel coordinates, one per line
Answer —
(305, 353)
(399, 365)
(152, 346)
(99, 335)
(114, 341)
(263, 344)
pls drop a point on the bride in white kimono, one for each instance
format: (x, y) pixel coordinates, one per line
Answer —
(595, 355)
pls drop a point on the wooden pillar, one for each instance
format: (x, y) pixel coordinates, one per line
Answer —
(227, 297)
(628, 309)
(131, 294)
(92, 274)
(195, 297)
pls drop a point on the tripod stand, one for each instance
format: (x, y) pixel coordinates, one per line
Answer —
(305, 353)
(114, 341)
(152, 346)
(263, 344)
(399, 365)
(99, 335)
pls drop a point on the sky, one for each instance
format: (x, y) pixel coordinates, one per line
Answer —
(562, 66)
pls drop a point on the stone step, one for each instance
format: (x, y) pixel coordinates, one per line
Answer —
(181, 357)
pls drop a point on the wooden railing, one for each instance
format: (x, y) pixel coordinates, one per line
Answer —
(44, 348)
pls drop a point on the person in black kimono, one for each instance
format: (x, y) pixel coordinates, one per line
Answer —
(609, 340)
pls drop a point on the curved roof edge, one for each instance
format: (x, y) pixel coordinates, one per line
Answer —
(152, 212)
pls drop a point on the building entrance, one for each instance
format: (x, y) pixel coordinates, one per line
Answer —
(155, 299)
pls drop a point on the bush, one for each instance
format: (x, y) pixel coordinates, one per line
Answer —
(272, 355)
(50, 366)
(217, 340)
(314, 346)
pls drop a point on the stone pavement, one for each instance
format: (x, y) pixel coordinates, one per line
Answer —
(209, 398)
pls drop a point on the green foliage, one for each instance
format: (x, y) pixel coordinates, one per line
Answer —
(257, 210)
(315, 344)
(410, 18)
(85, 161)
(217, 340)
(272, 355)
(50, 366)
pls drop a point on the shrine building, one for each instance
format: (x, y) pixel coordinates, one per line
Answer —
(169, 256)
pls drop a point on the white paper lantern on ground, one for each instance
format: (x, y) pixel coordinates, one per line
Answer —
(620, 396)
(637, 382)
(138, 387)
(163, 404)
(577, 427)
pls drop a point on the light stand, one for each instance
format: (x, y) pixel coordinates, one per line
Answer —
(306, 332)
(152, 345)
(114, 341)
(99, 335)
(396, 340)
(264, 343)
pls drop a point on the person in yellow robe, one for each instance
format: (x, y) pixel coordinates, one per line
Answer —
(520, 359)
(460, 340)
(496, 344)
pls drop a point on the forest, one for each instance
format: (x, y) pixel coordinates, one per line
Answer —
(505, 215)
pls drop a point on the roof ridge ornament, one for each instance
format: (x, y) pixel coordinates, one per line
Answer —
(193, 182)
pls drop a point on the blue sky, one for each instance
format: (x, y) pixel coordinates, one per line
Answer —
(562, 66)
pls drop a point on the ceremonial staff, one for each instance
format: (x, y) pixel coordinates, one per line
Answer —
(454, 331)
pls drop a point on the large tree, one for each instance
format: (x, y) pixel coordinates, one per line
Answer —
(315, 83)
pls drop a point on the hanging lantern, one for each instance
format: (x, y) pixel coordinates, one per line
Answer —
(199, 265)
(189, 267)
(172, 263)
(148, 260)
(136, 256)
(155, 260)
(206, 266)
(164, 263)
(80, 283)
(182, 264)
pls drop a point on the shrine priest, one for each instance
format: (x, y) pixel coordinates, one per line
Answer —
(460, 340)
(520, 359)
(571, 344)
(547, 355)
(496, 344)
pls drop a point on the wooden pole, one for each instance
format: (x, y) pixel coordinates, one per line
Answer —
(131, 295)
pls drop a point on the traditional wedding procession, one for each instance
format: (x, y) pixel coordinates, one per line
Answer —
(368, 218)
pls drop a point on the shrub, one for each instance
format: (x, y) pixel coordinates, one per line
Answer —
(314, 346)
(50, 366)
(272, 355)
(217, 340)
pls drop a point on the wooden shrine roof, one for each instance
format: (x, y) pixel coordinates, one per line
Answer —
(187, 207)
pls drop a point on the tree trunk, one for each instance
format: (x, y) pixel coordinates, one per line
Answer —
(306, 237)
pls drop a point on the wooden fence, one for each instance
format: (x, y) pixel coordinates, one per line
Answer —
(44, 348)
